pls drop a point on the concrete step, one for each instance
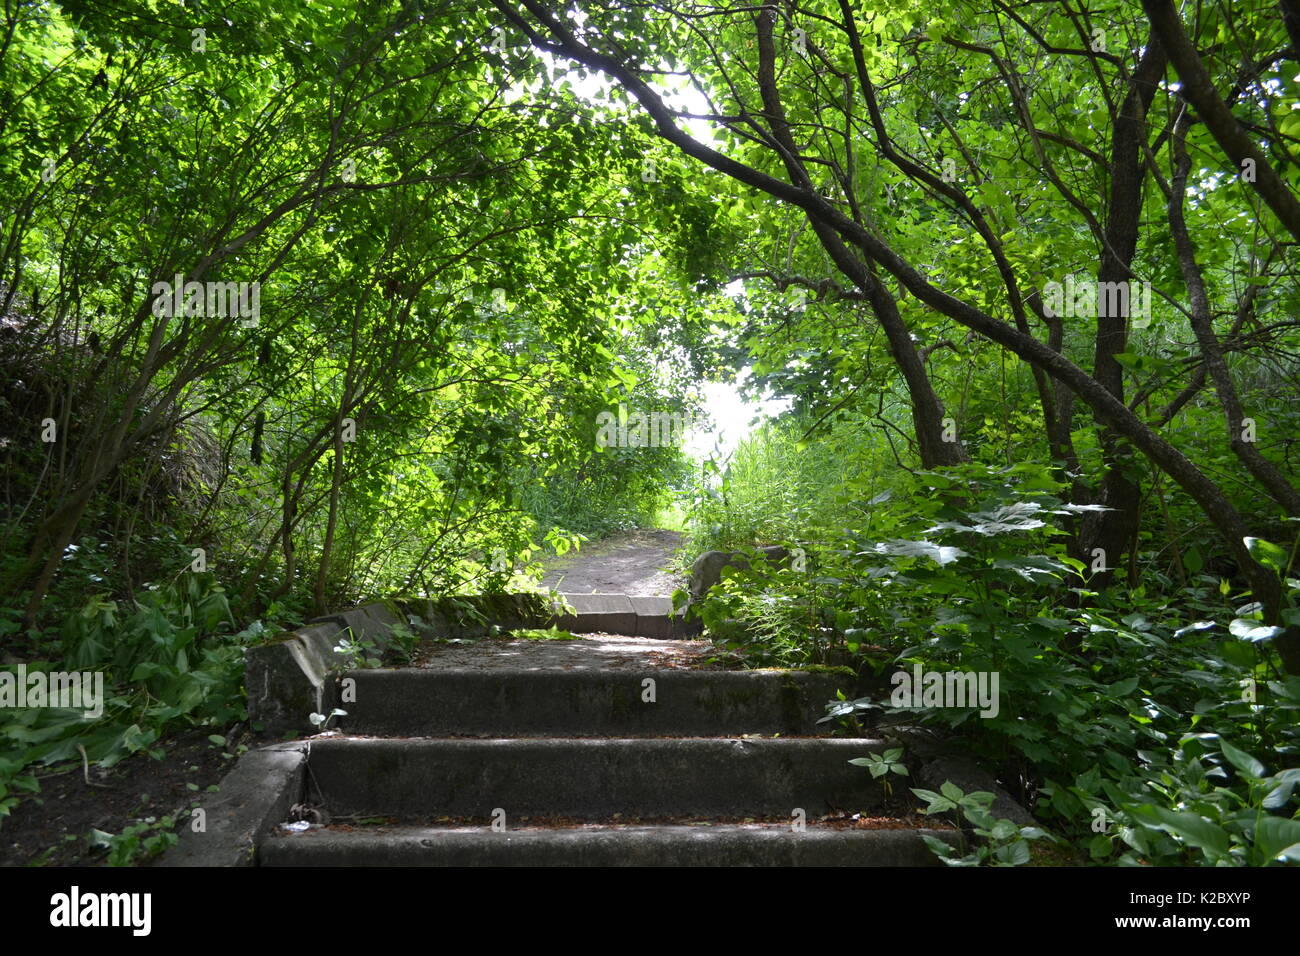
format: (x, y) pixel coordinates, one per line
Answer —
(421, 778)
(630, 845)
(549, 703)
(623, 614)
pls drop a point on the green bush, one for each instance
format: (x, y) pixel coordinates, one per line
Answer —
(1138, 711)
(169, 658)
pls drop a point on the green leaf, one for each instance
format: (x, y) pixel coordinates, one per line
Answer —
(940, 554)
(940, 849)
(1253, 631)
(1285, 782)
(1122, 688)
(1278, 838)
(1004, 830)
(1191, 828)
(936, 803)
(1099, 847)
(1015, 854)
(1242, 760)
(1266, 553)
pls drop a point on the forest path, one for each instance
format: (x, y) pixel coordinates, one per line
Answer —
(632, 563)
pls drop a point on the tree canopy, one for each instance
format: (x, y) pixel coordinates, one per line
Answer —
(304, 304)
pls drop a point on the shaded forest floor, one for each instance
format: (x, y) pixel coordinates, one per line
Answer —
(54, 827)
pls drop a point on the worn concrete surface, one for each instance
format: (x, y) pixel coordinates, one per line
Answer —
(291, 678)
(723, 845)
(603, 652)
(250, 802)
(585, 699)
(421, 777)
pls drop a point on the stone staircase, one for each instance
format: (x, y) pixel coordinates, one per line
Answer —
(541, 758)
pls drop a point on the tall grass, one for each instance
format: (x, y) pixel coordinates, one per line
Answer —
(778, 486)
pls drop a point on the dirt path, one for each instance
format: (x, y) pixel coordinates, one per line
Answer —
(632, 563)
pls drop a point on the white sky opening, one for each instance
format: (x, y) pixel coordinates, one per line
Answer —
(730, 419)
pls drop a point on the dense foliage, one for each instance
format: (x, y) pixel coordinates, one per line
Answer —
(444, 273)
(1025, 271)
